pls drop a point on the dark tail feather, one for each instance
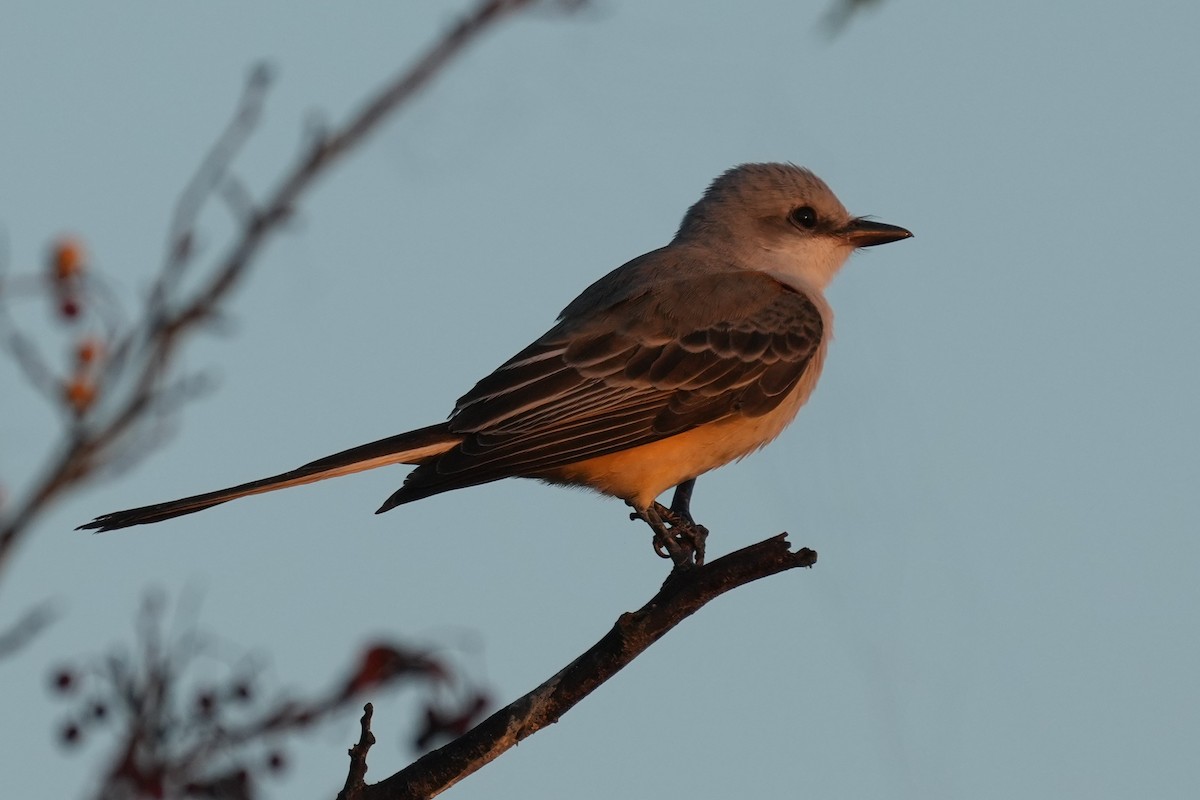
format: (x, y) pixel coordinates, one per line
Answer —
(425, 481)
(413, 447)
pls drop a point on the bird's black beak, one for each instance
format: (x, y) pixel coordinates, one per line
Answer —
(866, 233)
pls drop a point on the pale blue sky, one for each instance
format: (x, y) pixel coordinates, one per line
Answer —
(999, 468)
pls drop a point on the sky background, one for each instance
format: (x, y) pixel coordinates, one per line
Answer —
(999, 468)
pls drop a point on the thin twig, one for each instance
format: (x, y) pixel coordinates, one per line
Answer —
(210, 175)
(27, 356)
(356, 780)
(31, 623)
(132, 383)
(683, 594)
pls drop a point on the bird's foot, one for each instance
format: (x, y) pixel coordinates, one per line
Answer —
(676, 536)
(685, 531)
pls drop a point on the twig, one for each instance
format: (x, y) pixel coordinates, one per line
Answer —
(131, 384)
(184, 732)
(684, 593)
(356, 780)
(208, 178)
(31, 623)
(839, 15)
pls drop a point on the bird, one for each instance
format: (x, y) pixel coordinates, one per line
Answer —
(680, 361)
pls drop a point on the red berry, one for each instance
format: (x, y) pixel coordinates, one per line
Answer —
(206, 703)
(80, 393)
(63, 681)
(276, 762)
(71, 734)
(88, 350)
(67, 258)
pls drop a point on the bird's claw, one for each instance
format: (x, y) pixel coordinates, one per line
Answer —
(675, 536)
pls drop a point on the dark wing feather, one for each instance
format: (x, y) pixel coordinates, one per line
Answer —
(652, 366)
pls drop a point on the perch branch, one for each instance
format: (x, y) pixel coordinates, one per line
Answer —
(683, 594)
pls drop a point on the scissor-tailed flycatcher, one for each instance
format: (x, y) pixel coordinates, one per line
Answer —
(682, 360)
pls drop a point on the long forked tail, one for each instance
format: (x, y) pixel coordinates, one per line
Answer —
(413, 447)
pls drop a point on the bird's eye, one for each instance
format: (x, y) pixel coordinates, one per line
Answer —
(804, 217)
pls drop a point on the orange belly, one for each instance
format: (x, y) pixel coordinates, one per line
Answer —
(641, 474)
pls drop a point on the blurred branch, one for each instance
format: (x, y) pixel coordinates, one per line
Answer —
(117, 401)
(684, 593)
(176, 737)
(843, 11)
(28, 626)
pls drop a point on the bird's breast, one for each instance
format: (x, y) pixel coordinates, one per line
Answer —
(640, 474)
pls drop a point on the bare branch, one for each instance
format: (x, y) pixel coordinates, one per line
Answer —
(839, 16)
(208, 178)
(356, 780)
(683, 594)
(133, 378)
(33, 622)
(27, 356)
(187, 732)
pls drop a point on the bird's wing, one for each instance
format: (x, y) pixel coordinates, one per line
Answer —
(657, 363)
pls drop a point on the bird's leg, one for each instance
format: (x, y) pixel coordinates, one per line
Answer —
(680, 517)
(684, 530)
(681, 503)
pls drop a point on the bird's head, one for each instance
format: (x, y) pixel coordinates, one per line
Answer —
(782, 219)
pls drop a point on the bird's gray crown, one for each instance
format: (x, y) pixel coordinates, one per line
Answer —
(755, 191)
